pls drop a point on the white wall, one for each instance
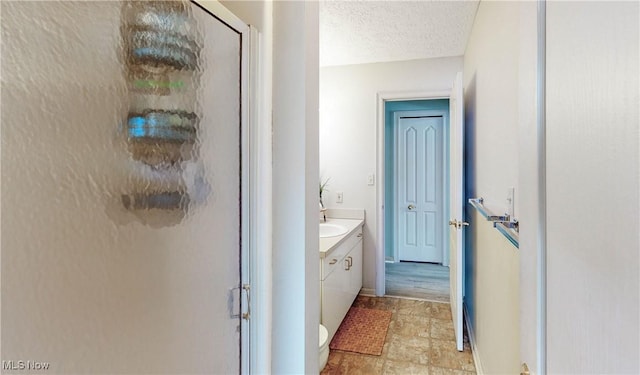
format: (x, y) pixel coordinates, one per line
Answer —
(593, 85)
(296, 290)
(348, 131)
(491, 85)
(493, 307)
(497, 72)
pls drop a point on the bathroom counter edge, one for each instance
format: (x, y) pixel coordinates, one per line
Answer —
(328, 244)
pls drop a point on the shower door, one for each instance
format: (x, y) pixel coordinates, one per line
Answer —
(122, 194)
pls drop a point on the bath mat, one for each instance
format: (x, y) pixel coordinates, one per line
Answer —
(362, 331)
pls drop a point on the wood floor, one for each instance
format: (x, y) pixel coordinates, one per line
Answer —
(418, 280)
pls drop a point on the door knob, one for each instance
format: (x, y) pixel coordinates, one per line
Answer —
(411, 207)
(453, 222)
(462, 224)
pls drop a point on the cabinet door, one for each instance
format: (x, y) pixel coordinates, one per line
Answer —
(355, 271)
(342, 284)
(336, 298)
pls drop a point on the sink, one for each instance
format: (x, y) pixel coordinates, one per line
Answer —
(331, 230)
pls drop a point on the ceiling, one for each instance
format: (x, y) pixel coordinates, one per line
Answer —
(359, 31)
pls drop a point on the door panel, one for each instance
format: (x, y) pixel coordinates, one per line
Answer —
(121, 248)
(431, 167)
(456, 240)
(419, 205)
(411, 236)
(410, 163)
(430, 228)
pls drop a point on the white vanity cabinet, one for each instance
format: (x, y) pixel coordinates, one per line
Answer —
(341, 280)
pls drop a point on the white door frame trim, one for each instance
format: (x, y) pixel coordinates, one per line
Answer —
(381, 98)
(255, 354)
(541, 267)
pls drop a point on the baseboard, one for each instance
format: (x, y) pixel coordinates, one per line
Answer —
(472, 341)
(368, 292)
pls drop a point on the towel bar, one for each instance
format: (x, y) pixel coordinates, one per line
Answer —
(506, 225)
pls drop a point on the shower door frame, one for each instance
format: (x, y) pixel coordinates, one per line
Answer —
(255, 152)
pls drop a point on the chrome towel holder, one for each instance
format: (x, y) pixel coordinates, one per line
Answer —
(505, 224)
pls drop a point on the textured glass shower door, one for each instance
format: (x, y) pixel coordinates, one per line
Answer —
(121, 188)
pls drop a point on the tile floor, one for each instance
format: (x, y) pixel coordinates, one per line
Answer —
(420, 340)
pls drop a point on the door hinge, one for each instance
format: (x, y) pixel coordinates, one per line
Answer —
(246, 290)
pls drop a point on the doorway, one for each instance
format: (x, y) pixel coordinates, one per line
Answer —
(416, 189)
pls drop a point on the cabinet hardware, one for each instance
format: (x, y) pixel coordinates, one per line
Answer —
(333, 261)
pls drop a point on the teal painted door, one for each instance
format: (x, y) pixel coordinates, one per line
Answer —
(419, 183)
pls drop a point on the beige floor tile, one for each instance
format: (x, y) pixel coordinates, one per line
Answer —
(443, 353)
(385, 348)
(385, 303)
(409, 326)
(404, 368)
(333, 363)
(442, 329)
(399, 351)
(414, 341)
(441, 311)
(335, 357)
(447, 371)
(355, 364)
(362, 301)
(379, 303)
(412, 307)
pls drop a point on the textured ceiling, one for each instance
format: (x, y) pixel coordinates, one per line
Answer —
(356, 32)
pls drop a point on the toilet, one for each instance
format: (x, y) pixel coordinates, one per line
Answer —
(324, 347)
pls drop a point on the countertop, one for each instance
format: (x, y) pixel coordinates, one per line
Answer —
(328, 244)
